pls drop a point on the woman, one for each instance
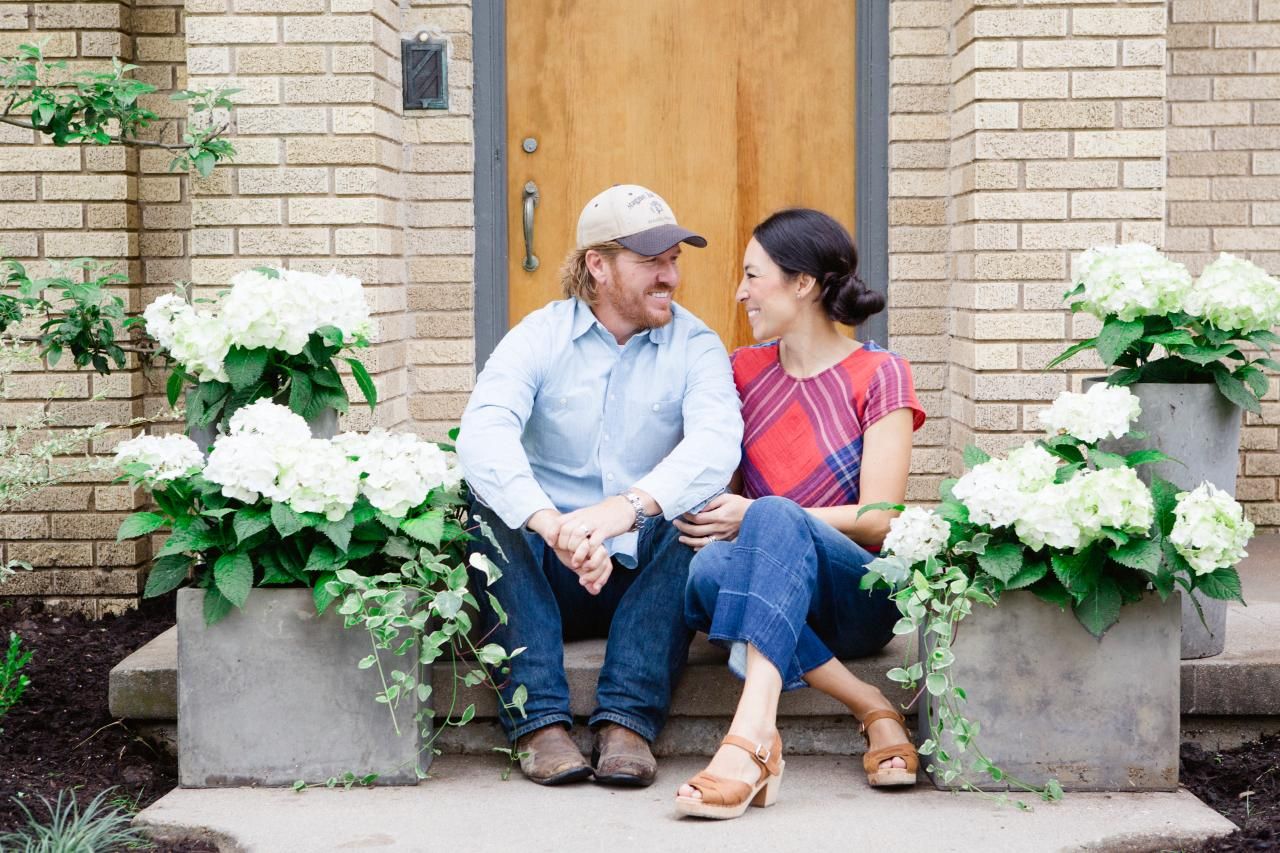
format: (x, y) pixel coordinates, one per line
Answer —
(777, 575)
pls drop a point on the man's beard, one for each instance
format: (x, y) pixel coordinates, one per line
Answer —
(632, 308)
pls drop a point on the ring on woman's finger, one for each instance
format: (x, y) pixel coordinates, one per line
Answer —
(713, 538)
(585, 529)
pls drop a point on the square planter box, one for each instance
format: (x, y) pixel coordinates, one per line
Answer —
(1052, 701)
(271, 694)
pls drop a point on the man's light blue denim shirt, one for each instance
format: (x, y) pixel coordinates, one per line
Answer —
(562, 417)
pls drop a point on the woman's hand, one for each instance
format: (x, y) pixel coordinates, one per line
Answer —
(719, 520)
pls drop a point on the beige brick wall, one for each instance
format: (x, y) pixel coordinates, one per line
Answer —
(919, 235)
(316, 184)
(439, 229)
(1057, 142)
(1224, 174)
(56, 204)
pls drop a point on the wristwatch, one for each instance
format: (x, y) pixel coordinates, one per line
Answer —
(638, 505)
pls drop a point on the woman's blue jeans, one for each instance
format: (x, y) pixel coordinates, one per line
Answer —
(639, 611)
(788, 585)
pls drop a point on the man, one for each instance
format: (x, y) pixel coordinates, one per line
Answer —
(596, 421)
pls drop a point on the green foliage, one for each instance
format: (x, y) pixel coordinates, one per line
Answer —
(100, 826)
(1180, 348)
(13, 682)
(87, 106)
(308, 382)
(82, 318)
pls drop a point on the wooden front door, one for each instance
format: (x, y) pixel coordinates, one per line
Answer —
(728, 109)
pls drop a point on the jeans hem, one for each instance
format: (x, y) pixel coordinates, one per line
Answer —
(726, 640)
(635, 724)
(539, 723)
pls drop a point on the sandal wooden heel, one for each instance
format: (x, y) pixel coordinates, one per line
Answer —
(889, 777)
(722, 798)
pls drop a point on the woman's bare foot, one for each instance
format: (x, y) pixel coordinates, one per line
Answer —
(730, 762)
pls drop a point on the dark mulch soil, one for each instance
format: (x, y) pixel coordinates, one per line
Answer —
(1243, 784)
(61, 735)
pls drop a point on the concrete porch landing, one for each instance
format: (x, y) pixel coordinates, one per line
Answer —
(825, 804)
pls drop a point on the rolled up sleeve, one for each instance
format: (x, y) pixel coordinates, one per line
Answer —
(492, 457)
(700, 466)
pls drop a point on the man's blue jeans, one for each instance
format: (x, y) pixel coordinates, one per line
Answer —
(788, 585)
(640, 610)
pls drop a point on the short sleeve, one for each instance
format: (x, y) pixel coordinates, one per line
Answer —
(891, 388)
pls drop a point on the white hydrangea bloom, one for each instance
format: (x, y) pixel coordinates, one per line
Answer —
(917, 534)
(990, 494)
(1210, 530)
(338, 301)
(400, 469)
(167, 456)
(200, 344)
(996, 491)
(263, 417)
(246, 466)
(1101, 412)
(316, 476)
(1130, 281)
(1112, 497)
(1032, 467)
(1046, 519)
(160, 314)
(265, 312)
(1235, 294)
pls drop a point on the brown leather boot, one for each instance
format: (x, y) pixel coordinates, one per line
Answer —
(549, 756)
(622, 757)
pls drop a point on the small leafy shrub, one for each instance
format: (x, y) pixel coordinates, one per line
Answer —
(13, 682)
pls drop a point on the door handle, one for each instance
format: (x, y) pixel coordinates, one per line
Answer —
(531, 199)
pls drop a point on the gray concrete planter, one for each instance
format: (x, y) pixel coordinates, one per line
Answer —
(1052, 701)
(271, 694)
(1195, 424)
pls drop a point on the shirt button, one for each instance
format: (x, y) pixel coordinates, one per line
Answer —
(605, 436)
(655, 407)
(613, 396)
(608, 476)
(564, 401)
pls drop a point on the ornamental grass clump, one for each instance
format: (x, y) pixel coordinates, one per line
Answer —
(1160, 325)
(375, 522)
(275, 334)
(1064, 520)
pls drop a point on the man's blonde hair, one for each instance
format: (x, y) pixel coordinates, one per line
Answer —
(576, 279)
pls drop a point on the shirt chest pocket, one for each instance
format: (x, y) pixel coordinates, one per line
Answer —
(563, 428)
(654, 427)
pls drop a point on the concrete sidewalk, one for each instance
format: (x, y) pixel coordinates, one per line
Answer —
(825, 804)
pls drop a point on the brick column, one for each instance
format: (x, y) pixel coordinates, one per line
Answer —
(57, 204)
(1224, 175)
(316, 183)
(919, 130)
(1057, 144)
(440, 216)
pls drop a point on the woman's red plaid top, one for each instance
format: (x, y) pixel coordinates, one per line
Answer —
(803, 437)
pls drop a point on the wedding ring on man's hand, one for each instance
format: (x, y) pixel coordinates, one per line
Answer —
(584, 529)
(713, 538)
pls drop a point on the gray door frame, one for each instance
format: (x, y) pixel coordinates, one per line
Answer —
(872, 166)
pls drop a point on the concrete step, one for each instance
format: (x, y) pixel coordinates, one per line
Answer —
(824, 804)
(1225, 699)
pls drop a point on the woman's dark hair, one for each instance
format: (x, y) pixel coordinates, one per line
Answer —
(802, 240)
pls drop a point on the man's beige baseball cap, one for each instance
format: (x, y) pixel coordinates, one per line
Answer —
(637, 218)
